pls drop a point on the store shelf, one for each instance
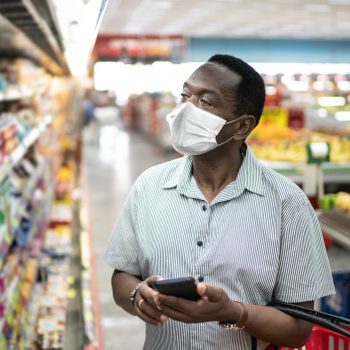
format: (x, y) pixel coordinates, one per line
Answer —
(13, 159)
(20, 211)
(91, 311)
(29, 30)
(336, 225)
(332, 172)
(15, 96)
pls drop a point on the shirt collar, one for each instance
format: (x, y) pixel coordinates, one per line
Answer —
(249, 177)
(181, 175)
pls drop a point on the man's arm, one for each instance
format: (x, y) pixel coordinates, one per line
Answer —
(263, 322)
(122, 285)
(276, 327)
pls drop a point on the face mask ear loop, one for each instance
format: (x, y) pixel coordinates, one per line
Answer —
(228, 140)
(236, 120)
(231, 121)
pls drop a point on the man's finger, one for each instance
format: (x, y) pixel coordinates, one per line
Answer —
(209, 292)
(148, 314)
(147, 292)
(144, 317)
(175, 314)
(154, 278)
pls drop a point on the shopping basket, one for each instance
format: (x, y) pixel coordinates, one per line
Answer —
(330, 333)
(323, 339)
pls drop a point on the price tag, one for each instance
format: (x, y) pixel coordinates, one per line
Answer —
(31, 137)
(318, 152)
(17, 155)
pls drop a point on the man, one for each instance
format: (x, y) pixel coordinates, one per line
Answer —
(247, 234)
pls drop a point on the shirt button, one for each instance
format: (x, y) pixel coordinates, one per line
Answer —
(204, 207)
(199, 243)
(200, 279)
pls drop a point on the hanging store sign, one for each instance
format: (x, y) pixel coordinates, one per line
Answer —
(134, 48)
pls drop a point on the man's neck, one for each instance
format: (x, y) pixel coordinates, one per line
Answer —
(214, 171)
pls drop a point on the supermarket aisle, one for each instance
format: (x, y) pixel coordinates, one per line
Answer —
(112, 166)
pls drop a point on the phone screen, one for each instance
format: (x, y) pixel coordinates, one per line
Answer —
(183, 287)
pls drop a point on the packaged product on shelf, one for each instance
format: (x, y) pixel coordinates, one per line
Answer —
(36, 183)
(3, 225)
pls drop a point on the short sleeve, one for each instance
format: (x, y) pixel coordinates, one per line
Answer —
(304, 272)
(122, 248)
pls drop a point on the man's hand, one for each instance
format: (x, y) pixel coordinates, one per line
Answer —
(214, 305)
(146, 306)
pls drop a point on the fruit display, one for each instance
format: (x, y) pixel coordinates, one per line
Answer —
(342, 201)
(284, 144)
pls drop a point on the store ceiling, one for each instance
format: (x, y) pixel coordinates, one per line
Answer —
(323, 19)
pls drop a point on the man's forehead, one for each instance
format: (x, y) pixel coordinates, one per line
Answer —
(216, 69)
(215, 76)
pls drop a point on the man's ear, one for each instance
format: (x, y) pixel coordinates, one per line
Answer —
(244, 127)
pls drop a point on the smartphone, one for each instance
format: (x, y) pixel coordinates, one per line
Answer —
(183, 287)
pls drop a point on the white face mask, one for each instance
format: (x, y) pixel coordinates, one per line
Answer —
(193, 130)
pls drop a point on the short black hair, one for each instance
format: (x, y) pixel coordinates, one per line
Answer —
(251, 90)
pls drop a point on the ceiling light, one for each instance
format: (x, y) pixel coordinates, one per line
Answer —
(331, 101)
(80, 22)
(342, 116)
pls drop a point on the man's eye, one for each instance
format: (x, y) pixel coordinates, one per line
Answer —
(205, 102)
(184, 97)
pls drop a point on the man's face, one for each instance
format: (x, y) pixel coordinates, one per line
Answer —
(212, 87)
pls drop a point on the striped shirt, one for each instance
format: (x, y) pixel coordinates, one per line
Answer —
(259, 240)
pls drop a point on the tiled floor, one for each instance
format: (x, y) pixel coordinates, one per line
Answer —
(112, 164)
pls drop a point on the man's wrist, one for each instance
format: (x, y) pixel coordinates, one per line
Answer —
(238, 319)
(133, 294)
